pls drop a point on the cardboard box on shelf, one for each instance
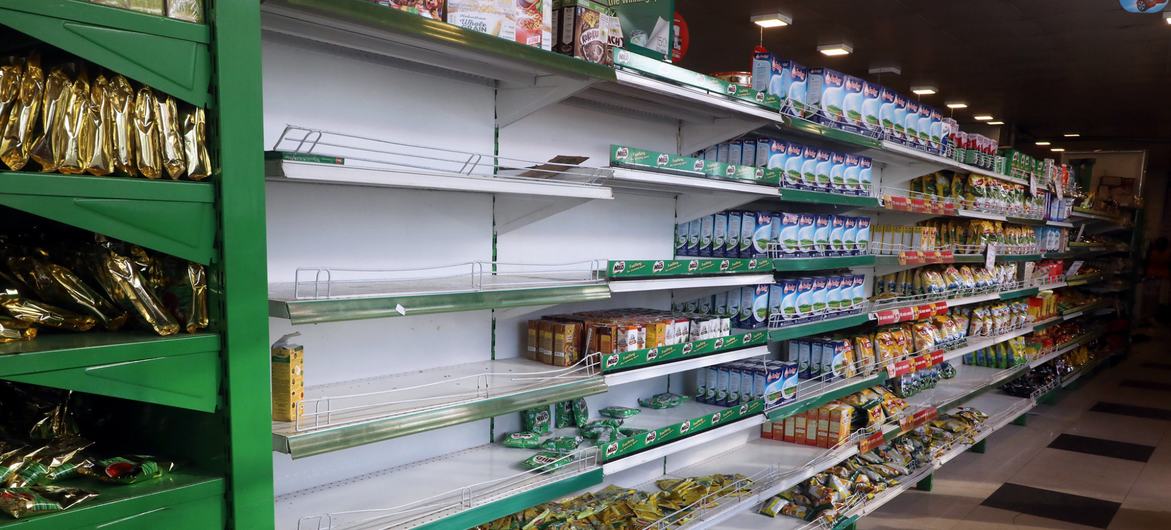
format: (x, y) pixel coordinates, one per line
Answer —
(586, 30)
(288, 378)
(528, 22)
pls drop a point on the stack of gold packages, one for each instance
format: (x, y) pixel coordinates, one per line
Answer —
(58, 278)
(71, 118)
(614, 508)
(188, 10)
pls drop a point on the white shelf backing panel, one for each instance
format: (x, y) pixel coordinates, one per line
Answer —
(423, 492)
(343, 415)
(700, 282)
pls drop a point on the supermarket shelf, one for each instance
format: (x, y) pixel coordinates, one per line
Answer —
(641, 359)
(349, 414)
(457, 490)
(817, 264)
(1014, 258)
(1019, 293)
(1085, 213)
(943, 162)
(977, 214)
(974, 344)
(1077, 312)
(1061, 224)
(970, 381)
(682, 444)
(817, 394)
(1066, 348)
(1042, 324)
(1083, 279)
(686, 267)
(658, 370)
(1051, 286)
(974, 299)
(181, 499)
(169, 55)
(388, 177)
(813, 328)
(693, 282)
(626, 178)
(179, 371)
(176, 218)
(833, 199)
(670, 430)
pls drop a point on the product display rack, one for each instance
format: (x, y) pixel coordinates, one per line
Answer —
(509, 98)
(204, 391)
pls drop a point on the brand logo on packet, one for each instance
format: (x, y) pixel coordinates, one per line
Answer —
(611, 361)
(686, 348)
(658, 266)
(719, 343)
(760, 97)
(652, 354)
(619, 266)
(611, 449)
(752, 263)
(650, 437)
(724, 264)
(684, 427)
(744, 409)
(730, 171)
(693, 265)
(715, 418)
(621, 153)
(663, 159)
(731, 89)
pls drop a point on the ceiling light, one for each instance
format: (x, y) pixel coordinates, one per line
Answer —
(957, 105)
(982, 117)
(1071, 135)
(835, 50)
(995, 123)
(1058, 150)
(1167, 17)
(923, 90)
(774, 20)
(1042, 143)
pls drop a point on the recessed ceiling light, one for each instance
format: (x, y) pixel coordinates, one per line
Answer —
(995, 123)
(1071, 135)
(957, 105)
(923, 90)
(773, 20)
(982, 117)
(1042, 143)
(1167, 17)
(1058, 150)
(835, 50)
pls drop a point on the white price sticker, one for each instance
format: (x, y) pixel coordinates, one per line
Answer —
(990, 257)
(1073, 269)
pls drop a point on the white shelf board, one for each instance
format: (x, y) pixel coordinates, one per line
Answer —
(694, 282)
(924, 156)
(984, 342)
(976, 214)
(1051, 286)
(974, 299)
(1062, 224)
(1063, 350)
(681, 444)
(338, 174)
(688, 99)
(969, 380)
(418, 493)
(658, 370)
(671, 183)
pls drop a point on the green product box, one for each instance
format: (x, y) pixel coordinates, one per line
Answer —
(648, 268)
(721, 170)
(626, 446)
(771, 177)
(749, 173)
(633, 157)
(708, 267)
(670, 72)
(648, 26)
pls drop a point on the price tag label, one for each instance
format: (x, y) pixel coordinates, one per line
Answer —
(940, 307)
(902, 368)
(947, 256)
(870, 442)
(934, 257)
(924, 311)
(889, 316)
(907, 424)
(906, 314)
(936, 357)
(949, 208)
(919, 205)
(899, 203)
(912, 257)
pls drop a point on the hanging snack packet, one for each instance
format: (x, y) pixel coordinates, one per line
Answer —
(97, 147)
(581, 412)
(56, 100)
(146, 134)
(563, 416)
(522, 440)
(17, 137)
(122, 132)
(10, 72)
(536, 420)
(69, 155)
(195, 144)
(546, 461)
(170, 137)
(186, 293)
(125, 470)
(618, 412)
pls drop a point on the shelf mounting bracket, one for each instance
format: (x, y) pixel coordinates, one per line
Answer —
(525, 211)
(690, 206)
(515, 101)
(694, 136)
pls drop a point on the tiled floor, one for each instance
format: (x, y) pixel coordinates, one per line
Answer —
(1033, 477)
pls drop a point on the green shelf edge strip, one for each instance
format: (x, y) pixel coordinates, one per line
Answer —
(685, 267)
(619, 362)
(346, 309)
(813, 328)
(817, 264)
(59, 351)
(510, 505)
(374, 16)
(802, 405)
(836, 199)
(116, 504)
(678, 431)
(365, 432)
(1019, 293)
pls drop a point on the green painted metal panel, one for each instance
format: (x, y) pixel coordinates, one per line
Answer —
(433, 34)
(835, 199)
(817, 264)
(509, 505)
(169, 55)
(176, 218)
(345, 309)
(814, 328)
(179, 501)
(187, 381)
(78, 350)
(1019, 293)
(243, 270)
(354, 434)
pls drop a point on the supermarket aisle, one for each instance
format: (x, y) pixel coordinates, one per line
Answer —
(1098, 458)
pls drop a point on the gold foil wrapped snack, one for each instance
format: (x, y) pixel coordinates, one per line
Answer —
(170, 137)
(56, 100)
(10, 72)
(13, 330)
(128, 288)
(98, 151)
(122, 132)
(17, 137)
(146, 134)
(44, 314)
(186, 294)
(61, 286)
(195, 144)
(189, 10)
(70, 155)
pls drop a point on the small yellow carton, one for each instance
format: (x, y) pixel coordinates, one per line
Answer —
(288, 379)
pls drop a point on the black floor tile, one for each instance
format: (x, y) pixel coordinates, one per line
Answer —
(1101, 447)
(1131, 410)
(1159, 366)
(1074, 509)
(1146, 385)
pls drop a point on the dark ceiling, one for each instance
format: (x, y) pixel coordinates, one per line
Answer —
(1045, 67)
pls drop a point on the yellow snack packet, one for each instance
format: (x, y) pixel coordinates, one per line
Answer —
(195, 144)
(56, 100)
(146, 134)
(97, 131)
(122, 132)
(17, 137)
(170, 137)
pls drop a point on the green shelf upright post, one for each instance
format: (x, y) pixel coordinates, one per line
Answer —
(980, 447)
(925, 484)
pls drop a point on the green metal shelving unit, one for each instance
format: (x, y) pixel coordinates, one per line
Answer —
(202, 399)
